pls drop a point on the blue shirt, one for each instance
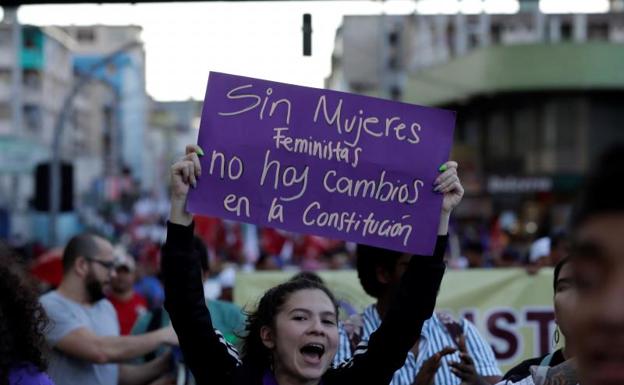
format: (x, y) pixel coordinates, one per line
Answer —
(434, 337)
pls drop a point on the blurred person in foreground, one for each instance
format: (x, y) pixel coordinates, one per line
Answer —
(597, 260)
(565, 308)
(22, 344)
(128, 304)
(83, 329)
(597, 254)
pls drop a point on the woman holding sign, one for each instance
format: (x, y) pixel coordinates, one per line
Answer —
(292, 337)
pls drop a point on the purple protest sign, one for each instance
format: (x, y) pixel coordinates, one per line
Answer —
(322, 162)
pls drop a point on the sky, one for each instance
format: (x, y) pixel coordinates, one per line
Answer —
(184, 41)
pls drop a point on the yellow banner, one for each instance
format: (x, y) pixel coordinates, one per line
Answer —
(513, 310)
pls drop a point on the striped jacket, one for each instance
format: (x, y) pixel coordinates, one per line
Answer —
(434, 337)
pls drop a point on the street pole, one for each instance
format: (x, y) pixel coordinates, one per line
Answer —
(16, 98)
(55, 163)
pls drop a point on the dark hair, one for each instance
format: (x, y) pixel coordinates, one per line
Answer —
(598, 195)
(253, 350)
(22, 321)
(199, 247)
(557, 238)
(368, 259)
(81, 245)
(309, 275)
(558, 268)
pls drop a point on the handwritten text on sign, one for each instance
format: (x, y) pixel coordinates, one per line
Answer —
(323, 162)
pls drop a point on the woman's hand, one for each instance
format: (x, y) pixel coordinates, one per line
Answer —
(184, 174)
(448, 183)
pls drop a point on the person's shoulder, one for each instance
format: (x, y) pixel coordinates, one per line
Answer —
(224, 305)
(522, 370)
(438, 321)
(53, 302)
(50, 297)
(105, 305)
(468, 325)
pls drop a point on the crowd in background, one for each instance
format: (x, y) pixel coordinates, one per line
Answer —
(137, 226)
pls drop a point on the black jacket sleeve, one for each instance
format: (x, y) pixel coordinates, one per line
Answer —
(388, 346)
(210, 359)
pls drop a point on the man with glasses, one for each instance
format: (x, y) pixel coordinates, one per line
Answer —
(84, 330)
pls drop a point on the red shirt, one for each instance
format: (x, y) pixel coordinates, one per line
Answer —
(128, 311)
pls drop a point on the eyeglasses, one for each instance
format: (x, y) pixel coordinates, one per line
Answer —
(108, 265)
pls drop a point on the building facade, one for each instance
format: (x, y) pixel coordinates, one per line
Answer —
(125, 75)
(537, 96)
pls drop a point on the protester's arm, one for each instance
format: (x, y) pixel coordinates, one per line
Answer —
(144, 373)
(82, 343)
(413, 304)
(184, 294)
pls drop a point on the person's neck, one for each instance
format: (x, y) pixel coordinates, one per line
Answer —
(284, 379)
(567, 350)
(73, 289)
(124, 296)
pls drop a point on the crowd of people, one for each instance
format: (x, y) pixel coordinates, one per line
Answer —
(109, 320)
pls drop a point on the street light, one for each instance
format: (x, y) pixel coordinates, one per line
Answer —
(55, 163)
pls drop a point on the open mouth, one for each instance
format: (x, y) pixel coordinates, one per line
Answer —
(313, 352)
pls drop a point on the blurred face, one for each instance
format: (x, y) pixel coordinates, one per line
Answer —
(565, 300)
(305, 337)
(123, 280)
(598, 325)
(101, 270)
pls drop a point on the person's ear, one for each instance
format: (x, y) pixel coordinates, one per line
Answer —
(382, 275)
(267, 337)
(81, 266)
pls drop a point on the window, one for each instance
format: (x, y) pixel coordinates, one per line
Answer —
(598, 31)
(5, 37)
(32, 79)
(5, 77)
(32, 118)
(85, 35)
(5, 111)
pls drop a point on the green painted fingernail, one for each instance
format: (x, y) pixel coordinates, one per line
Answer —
(442, 168)
(200, 152)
